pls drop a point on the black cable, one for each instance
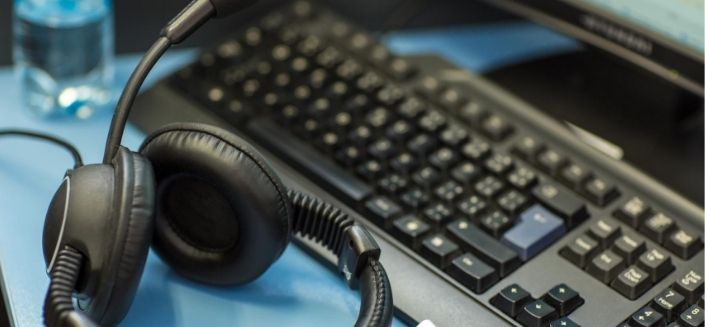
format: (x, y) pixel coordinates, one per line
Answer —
(68, 146)
(117, 126)
(58, 305)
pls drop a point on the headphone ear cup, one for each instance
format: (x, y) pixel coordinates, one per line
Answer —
(222, 215)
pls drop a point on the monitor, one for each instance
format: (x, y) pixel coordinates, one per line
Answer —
(663, 36)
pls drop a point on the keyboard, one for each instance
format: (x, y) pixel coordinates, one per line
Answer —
(488, 212)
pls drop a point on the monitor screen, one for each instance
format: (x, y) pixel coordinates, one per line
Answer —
(662, 36)
(680, 21)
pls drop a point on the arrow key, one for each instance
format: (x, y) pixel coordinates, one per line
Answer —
(564, 299)
(563, 322)
(647, 317)
(537, 313)
(511, 300)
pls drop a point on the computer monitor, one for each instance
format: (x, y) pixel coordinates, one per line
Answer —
(663, 36)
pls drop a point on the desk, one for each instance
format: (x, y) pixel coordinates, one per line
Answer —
(295, 291)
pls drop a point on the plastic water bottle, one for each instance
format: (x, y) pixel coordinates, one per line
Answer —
(63, 51)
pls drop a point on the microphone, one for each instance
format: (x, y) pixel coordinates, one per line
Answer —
(178, 29)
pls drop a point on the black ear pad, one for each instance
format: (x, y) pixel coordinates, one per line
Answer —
(222, 215)
(136, 189)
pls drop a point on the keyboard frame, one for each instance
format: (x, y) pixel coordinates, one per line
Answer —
(415, 285)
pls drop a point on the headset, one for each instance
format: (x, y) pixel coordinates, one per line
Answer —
(203, 198)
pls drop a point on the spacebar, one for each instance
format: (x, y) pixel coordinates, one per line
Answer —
(315, 166)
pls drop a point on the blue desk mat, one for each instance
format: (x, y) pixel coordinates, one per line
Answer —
(296, 291)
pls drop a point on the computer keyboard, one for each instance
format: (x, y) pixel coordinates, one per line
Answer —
(463, 184)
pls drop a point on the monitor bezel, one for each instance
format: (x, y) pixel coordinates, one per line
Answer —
(674, 62)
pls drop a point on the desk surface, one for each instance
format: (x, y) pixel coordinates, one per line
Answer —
(296, 291)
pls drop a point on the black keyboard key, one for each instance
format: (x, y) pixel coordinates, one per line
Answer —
(319, 108)
(370, 82)
(450, 98)
(438, 213)
(421, 144)
(473, 273)
(564, 299)
(449, 191)
(430, 87)
(426, 177)
(690, 286)
(472, 113)
(401, 69)
(476, 150)
(657, 227)
(647, 317)
(499, 163)
(632, 282)
(657, 263)
(581, 250)
(443, 158)
(600, 191)
(537, 314)
(574, 175)
(359, 42)
(684, 244)
(393, 184)
(400, 131)
(361, 135)
(390, 95)
(454, 135)
(606, 266)
(605, 232)
(409, 230)
(378, 118)
(511, 300)
(404, 163)
(563, 322)
(489, 186)
(495, 223)
(550, 161)
(629, 247)
(485, 246)
(472, 206)
(432, 121)
(512, 202)
(349, 70)
(338, 90)
(349, 156)
(566, 205)
(415, 198)
(370, 170)
(496, 128)
(527, 148)
(465, 173)
(522, 178)
(411, 108)
(330, 142)
(304, 157)
(439, 250)
(357, 104)
(382, 149)
(669, 303)
(633, 212)
(382, 210)
(692, 316)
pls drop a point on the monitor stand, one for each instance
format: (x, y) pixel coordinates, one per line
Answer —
(659, 126)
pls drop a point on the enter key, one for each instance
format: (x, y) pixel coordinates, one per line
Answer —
(537, 229)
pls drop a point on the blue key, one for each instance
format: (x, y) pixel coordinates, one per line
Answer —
(537, 229)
